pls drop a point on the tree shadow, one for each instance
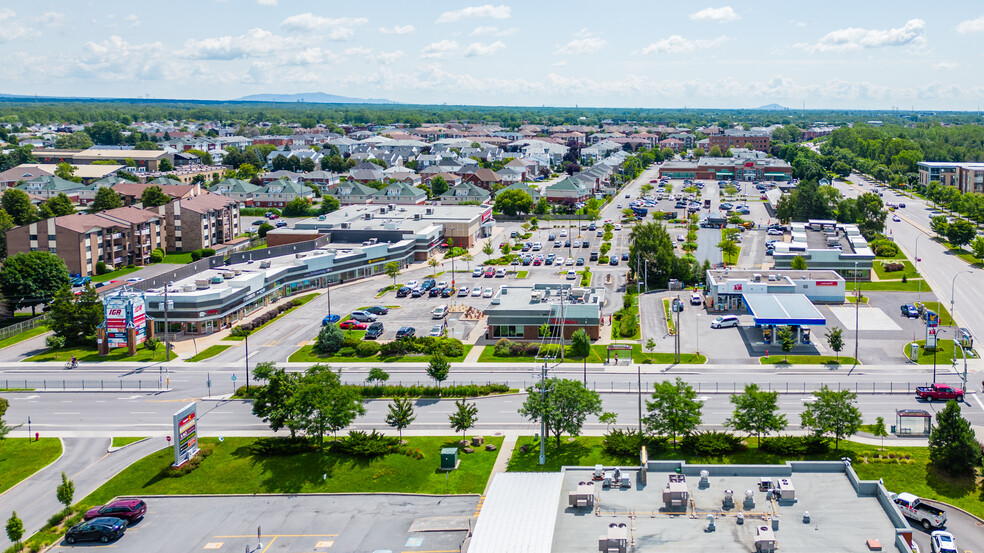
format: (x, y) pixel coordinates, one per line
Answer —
(948, 485)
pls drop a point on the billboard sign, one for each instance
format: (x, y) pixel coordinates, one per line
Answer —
(932, 319)
(185, 433)
(931, 337)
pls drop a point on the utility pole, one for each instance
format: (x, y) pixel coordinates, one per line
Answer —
(676, 339)
(167, 327)
(639, 376)
(543, 413)
(563, 322)
(857, 307)
(247, 362)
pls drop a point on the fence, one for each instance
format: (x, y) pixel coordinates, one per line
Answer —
(54, 385)
(17, 328)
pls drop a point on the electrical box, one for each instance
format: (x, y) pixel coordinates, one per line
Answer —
(449, 458)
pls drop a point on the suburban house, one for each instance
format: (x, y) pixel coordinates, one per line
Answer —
(400, 193)
(280, 192)
(49, 186)
(486, 178)
(464, 192)
(131, 192)
(239, 190)
(353, 193)
(568, 189)
(450, 178)
(533, 191)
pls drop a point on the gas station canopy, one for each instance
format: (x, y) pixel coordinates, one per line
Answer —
(783, 309)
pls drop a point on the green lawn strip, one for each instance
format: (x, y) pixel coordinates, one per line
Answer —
(914, 475)
(210, 351)
(178, 258)
(21, 336)
(959, 252)
(944, 353)
(233, 468)
(302, 299)
(598, 354)
(120, 441)
(522, 274)
(389, 288)
(913, 285)
(806, 360)
(115, 274)
(22, 457)
(639, 355)
(668, 316)
(909, 271)
(941, 310)
(306, 354)
(90, 355)
(854, 299)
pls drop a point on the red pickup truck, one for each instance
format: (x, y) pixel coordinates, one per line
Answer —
(939, 391)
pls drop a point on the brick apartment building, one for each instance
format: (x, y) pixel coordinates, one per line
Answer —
(145, 160)
(201, 221)
(734, 138)
(967, 177)
(118, 237)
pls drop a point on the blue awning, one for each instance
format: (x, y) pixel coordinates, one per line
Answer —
(783, 309)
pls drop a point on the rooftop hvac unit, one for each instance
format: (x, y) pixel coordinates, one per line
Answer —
(217, 279)
(188, 288)
(676, 495)
(616, 540)
(368, 216)
(300, 255)
(201, 284)
(417, 216)
(346, 225)
(765, 539)
(237, 272)
(228, 274)
(429, 211)
(786, 490)
(757, 277)
(582, 497)
(265, 264)
(392, 207)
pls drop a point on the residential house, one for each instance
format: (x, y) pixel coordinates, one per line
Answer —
(569, 189)
(450, 178)
(49, 186)
(400, 193)
(486, 178)
(533, 191)
(353, 193)
(132, 192)
(281, 192)
(239, 190)
(20, 174)
(464, 192)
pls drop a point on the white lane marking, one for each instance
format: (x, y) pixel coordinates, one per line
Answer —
(978, 400)
(143, 412)
(24, 398)
(66, 413)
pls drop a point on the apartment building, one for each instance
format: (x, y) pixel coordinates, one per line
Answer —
(145, 160)
(967, 177)
(202, 221)
(736, 138)
(117, 237)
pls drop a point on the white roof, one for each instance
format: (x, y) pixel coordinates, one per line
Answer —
(518, 514)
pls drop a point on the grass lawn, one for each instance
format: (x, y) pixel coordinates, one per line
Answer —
(915, 475)
(941, 310)
(120, 441)
(21, 457)
(662, 358)
(889, 286)
(806, 360)
(668, 316)
(306, 354)
(854, 299)
(115, 274)
(302, 299)
(177, 258)
(909, 271)
(389, 288)
(959, 252)
(944, 353)
(90, 355)
(522, 274)
(21, 336)
(234, 468)
(598, 355)
(210, 351)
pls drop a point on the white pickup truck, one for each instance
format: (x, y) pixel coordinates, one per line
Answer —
(914, 509)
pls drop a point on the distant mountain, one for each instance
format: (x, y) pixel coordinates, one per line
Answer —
(772, 107)
(313, 98)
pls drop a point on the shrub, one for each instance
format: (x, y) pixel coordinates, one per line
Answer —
(351, 340)
(240, 330)
(451, 347)
(791, 446)
(101, 268)
(54, 341)
(192, 463)
(628, 443)
(346, 352)
(712, 443)
(892, 267)
(503, 347)
(151, 343)
(628, 326)
(329, 339)
(207, 252)
(367, 349)
(366, 446)
(196, 255)
(396, 348)
(157, 256)
(885, 248)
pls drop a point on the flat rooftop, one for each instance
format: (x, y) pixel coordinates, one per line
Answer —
(722, 275)
(406, 215)
(782, 309)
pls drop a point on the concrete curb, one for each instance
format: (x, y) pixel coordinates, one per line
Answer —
(112, 449)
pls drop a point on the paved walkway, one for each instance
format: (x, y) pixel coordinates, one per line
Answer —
(502, 461)
(86, 462)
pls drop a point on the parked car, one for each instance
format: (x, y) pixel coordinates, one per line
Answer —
(490, 272)
(569, 262)
(724, 321)
(487, 293)
(330, 319)
(403, 292)
(499, 273)
(281, 224)
(571, 275)
(476, 292)
(378, 310)
(910, 311)
(411, 284)
(896, 218)
(625, 256)
(427, 284)
(439, 312)
(130, 510)
(352, 324)
(915, 509)
(448, 292)
(478, 272)
(104, 529)
(417, 292)
(939, 391)
(943, 542)
(774, 232)
(363, 316)
(613, 260)
(435, 291)
(405, 332)
(463, 292)
(374, 331)
(696, 299)
(437, 330)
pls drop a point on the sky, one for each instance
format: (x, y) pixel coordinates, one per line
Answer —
(652, 54)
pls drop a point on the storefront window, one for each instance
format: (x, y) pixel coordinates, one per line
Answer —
(507, 331)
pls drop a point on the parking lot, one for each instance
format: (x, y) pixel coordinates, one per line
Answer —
(298, 524)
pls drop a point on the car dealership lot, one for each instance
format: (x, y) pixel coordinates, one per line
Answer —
(295, 523)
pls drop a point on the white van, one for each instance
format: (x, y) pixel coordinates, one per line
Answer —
(440, 312)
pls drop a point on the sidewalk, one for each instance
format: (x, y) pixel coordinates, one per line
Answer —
(502, 461)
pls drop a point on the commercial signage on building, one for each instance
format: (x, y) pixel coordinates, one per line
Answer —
(122, 311)
(185, 424)
(826, 283)
(931, 337)
(737, 287)
(487, 215)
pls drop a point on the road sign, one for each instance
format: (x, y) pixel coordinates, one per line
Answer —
(233, 378)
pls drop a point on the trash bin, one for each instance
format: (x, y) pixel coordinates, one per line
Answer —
(893, 429)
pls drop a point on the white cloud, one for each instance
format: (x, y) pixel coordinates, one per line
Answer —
(971, 25)
(561, 63)
(487, 10)
(721, 15)
(946, 65)
(853, 38)
(386, 58)
(584, 42)
(439, 49)
(133, 20)
(397, 30)
(797, 23)
(676, 44)
(341, 28)
(492, 31)
(52, 19)
(13, 30)
(254, 42)
(479, 49)
(309, 56)
(267, 2)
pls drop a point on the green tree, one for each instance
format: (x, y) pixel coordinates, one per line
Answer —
(204, 157)
(580, 343)
(377, 375)
(263, 229)
(18, 205)
(488, 249)
(650, 346)
(66, 171)
(563, 405)
(60, 205)
(274, 402)
(76, 141)
(960, 232)
(939, 225)
(106, 198)
(786, 341)
(106, 133)
(400, 414)
(438, 186)
(298, 207)
(675, 409)
(609, 419)
(154, 196)
(438, 368)
(6, 223)
(871, 215)
(329, 339)
(166, 165)
(29, 279)
(464, 416)
(392, 270)
(76, 318)
(729, 249)
(146, 145)
(651, 242)
(699, 153)
(246, 171)
(798, 263)
(513, 202)
(879, 430)
(324, 405)
(756, 412)
(977, 245)
(835, 339)
(832, 412)
(715, 151)
(65, 491)
(329, 204)
(4, 427)
(15, 530)
(952, 443)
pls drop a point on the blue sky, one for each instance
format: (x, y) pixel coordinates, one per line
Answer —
(833, 54)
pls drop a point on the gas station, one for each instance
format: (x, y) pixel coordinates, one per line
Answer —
(796, 311)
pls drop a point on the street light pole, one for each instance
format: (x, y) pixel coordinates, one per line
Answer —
(857, 312)
(167, 327)
(247, 362)
(953, 310)
(543, 414)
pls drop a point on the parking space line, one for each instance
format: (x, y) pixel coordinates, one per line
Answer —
(269, 544)
(978, 400)
(213, 545)
(434, 551)
(283, 536)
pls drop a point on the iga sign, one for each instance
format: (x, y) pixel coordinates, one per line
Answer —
(123, 311)
(826, 283)
(185, 433)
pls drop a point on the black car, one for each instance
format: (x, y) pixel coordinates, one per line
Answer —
(613, 260)
(403, 292)
(567, 243)
(625, 256)
(448, 292)
(435, 292)
(374, 331)
(104, 529)
(417, 292)
(377, 310)
(405, 332)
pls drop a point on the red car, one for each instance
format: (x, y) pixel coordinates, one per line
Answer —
(129, 510)
(352, 324)
(490, 272)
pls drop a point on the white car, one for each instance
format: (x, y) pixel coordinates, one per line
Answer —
(437, 330)
(463, 291)
(412, 284)
(569, 261)
(943, 542)
(696, 299)
(618, 226)
(478, 272)
(724, 321)
(477, 292)
(896, 218)
(559, 261)
(571, 275)
(679, 238)
(487, 293)
(774, 232)
(563, 233)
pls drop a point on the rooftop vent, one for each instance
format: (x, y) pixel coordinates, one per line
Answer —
(201, 284)
(265, 264)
